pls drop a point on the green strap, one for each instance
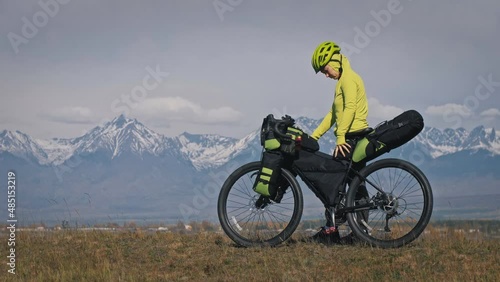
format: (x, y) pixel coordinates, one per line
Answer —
(271, 144)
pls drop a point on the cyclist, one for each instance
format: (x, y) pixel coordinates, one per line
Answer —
(348, 112)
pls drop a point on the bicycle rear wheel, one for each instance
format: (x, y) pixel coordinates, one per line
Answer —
(250, 219)
(398, 215)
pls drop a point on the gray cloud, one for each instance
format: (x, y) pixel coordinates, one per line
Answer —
(181, 109)
(378, 111)
(71, 115)
(442, 110)
(493, 113)
(254, 61)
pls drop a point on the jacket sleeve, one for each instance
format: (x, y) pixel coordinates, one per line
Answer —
(325, 125)
(349, 91)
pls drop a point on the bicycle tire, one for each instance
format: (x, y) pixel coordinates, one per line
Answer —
(271, 229)
(408, 206)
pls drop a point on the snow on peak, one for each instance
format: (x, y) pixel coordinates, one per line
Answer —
(21, 145)
(121, 135)
(448, 141)
(204, 151)
(250, 142)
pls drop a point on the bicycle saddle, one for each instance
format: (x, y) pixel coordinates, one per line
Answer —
(360, 133)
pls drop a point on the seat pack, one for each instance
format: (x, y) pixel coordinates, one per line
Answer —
(388, 135)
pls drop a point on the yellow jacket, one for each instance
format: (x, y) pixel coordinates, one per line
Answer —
(350, 106)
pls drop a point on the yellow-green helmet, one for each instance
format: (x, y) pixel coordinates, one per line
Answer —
(323, 54)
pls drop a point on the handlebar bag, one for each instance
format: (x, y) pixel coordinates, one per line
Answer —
(388, 135)
(308, 143)
(326, 174)
(288, 137)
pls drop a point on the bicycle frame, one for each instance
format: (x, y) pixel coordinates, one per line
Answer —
(334, 210)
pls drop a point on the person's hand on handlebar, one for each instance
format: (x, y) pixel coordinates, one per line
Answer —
(343, 148)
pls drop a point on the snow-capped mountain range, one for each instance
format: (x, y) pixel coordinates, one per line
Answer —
(125, 135)
(120, 136)
(124, 169)
(449, 141)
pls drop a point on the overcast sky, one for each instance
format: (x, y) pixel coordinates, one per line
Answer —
(221, 66)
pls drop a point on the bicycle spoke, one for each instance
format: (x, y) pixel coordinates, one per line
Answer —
(285, 208)
(270, 214)
(250, 216)
(233, 208)
(421, 195)
(409, 193)
(412, 212)
(276, 223)
(280, 213)
(406, 223)
(398, 181)
(380, 217)
(406, 188)
(243, 192)
(378, 182)
(414, 204)
(242, 213)
(390, 178)
(246, 199)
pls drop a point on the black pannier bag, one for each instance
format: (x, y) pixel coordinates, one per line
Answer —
(388, 135)
(269, 174)
(325, 173)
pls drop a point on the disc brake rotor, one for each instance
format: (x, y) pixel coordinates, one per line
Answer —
(391, 205)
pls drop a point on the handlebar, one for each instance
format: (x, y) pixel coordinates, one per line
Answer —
(277, 130)
(286, 121)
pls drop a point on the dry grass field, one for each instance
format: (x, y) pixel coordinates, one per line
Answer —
(142, 255)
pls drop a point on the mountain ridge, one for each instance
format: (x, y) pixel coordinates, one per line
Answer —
(128, 135)
(122, 168)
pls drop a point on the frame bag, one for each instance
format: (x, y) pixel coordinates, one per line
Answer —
(326, 174)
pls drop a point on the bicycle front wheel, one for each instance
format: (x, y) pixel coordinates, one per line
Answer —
(398, 205)
(251, 219)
